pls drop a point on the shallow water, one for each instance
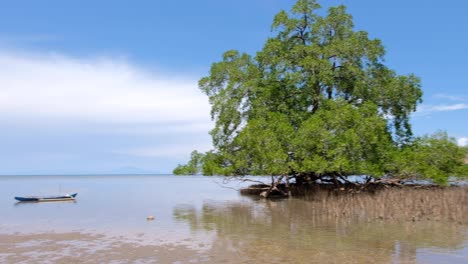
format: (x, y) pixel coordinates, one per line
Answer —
(203, 222)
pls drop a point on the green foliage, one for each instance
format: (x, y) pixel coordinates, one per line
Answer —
(343, 140)
(192, 167)
(317, 99)
(435, 157)
(261, 148)
(465, 150)
(181, 170)
(462, 171)
(212, 164)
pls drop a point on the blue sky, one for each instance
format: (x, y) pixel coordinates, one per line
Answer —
(111, 86)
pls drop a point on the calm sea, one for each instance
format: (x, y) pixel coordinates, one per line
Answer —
(204, 211)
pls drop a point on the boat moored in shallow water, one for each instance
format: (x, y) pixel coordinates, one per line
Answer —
(66, 197)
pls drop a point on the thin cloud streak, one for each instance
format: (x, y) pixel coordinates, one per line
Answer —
(427, 109)
(441, 108)
(451, 97)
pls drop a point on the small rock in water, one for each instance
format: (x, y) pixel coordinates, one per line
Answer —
(150, 218)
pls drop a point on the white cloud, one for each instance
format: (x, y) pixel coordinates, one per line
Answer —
(439, 108)
(424, 109)
(463, 141)
(451, 97)
(57, 87)
(96, 114)
(180, 151)
(165, 129)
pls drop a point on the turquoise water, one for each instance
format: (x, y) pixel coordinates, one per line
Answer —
(201, 210)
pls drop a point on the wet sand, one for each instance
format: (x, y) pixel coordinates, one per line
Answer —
(78, 247)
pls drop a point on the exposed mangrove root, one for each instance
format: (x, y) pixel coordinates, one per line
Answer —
(281, 187)
(325, 204)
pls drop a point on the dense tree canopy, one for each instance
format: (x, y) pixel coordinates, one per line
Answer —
(317, 101)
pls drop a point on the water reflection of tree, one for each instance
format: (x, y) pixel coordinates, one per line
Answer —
(292, 231)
